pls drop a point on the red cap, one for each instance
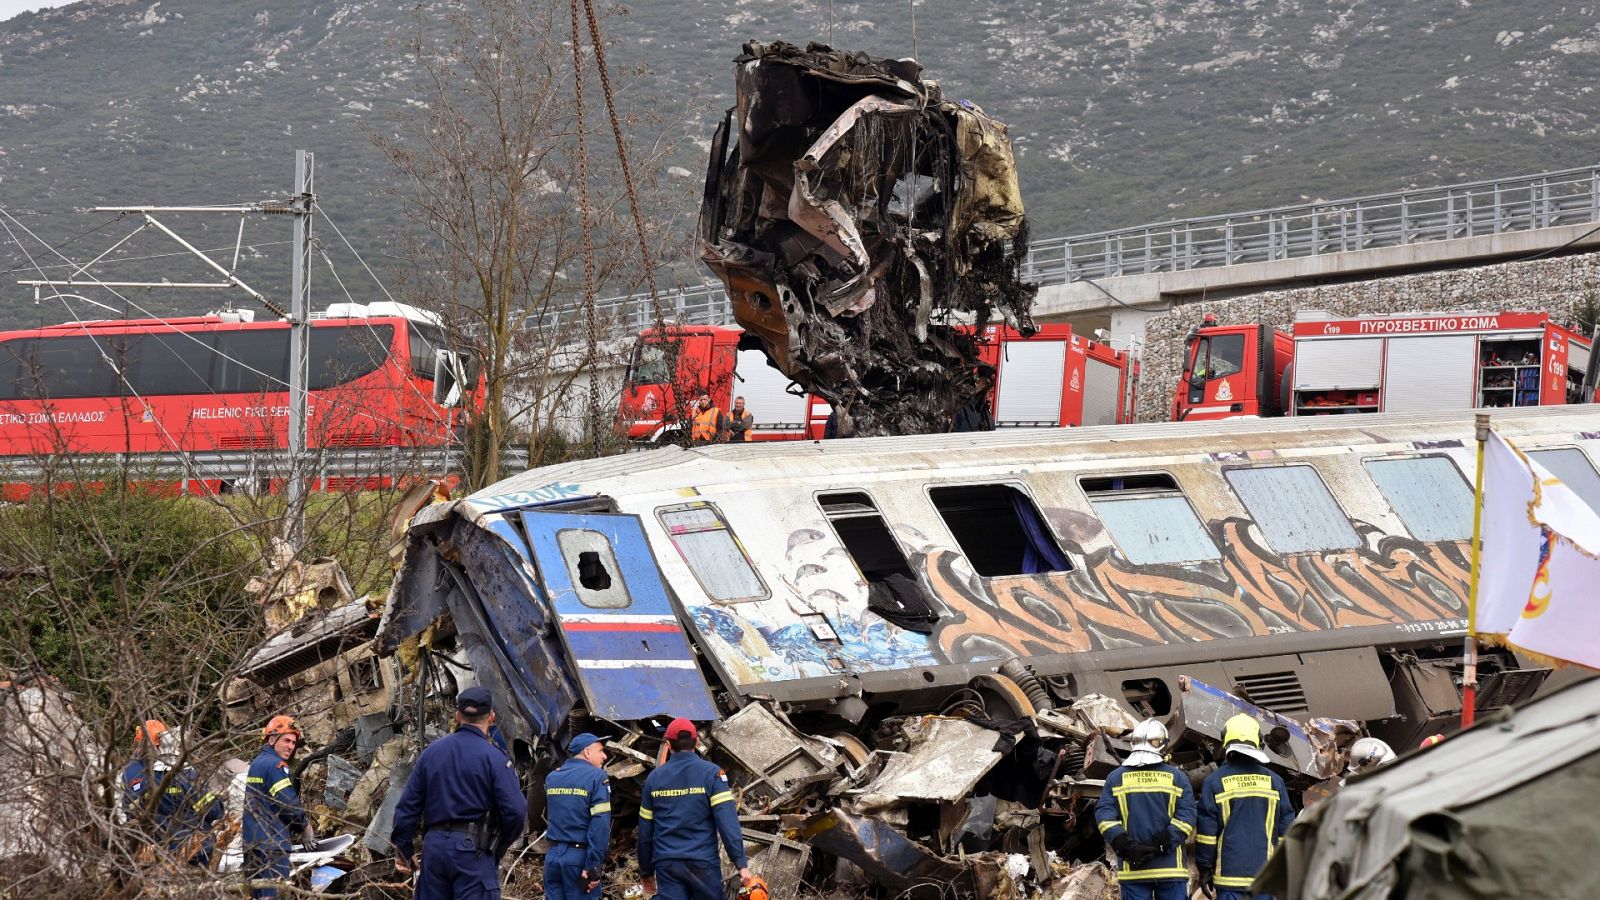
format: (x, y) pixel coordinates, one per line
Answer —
(681, 727)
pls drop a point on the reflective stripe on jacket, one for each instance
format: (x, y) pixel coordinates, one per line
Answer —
(1244, 812)
(685, 805)
(272, 810)
(1144, 802)
(579, 810)
(707, 425)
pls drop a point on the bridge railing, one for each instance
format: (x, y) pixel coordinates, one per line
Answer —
(1549, 199)
(1546, 200)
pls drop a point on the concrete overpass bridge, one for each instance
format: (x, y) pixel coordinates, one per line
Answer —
(1117, 279)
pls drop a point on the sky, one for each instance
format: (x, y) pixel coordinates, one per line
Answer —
(9, 8)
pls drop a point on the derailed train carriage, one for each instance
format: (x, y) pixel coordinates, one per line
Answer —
(1314, 568)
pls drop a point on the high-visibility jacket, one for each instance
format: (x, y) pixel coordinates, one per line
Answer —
(685, 806)
(1244, 813)
(1146, 802)
(579, 811)
(707, 425)
(272, 810)
(185, 807)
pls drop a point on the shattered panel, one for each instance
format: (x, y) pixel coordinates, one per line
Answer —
(856, 218)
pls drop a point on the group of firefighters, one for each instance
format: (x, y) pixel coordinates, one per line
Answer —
(464, 798)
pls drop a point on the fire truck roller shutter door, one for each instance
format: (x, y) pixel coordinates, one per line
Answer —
(1425, 373)
(1338, 364)
(1030, 383)
(1101, 383)
(764, 391)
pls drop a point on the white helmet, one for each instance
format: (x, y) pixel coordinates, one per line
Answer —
(1149, 743)
(1368, 754)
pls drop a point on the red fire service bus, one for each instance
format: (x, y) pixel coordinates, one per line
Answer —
(1050, 379)
(380, 376)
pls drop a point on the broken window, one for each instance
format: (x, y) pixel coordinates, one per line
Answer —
(892, 589)
(1293, 509)
(1575, 471)
(712, 552)
(1149, 518)
(999, 530)
(1428, 493)
(592, 568)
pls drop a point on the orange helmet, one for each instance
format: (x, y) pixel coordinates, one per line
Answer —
(756, 890)
(279, 726)
(1432, 739)
(151, 731)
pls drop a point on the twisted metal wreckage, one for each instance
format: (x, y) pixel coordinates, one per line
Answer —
(857, 217)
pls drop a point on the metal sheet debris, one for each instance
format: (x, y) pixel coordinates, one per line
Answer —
(945, 766)
(1312, 748)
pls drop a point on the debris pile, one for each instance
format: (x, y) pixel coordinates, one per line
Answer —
(857, 217)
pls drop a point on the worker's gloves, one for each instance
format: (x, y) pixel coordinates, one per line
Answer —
(1208, 884)
(1134, 853)
(1161, 843)
(1122, 844)
(308, 837)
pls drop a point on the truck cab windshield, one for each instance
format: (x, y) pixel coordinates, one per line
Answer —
(650, 364)
(1217, 356)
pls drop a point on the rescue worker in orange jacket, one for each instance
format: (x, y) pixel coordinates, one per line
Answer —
(740, 423)
(708, 423)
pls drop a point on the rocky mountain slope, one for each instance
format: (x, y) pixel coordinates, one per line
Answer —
(1123, 112)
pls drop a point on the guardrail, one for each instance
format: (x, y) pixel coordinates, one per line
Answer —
(246, 470)
(1545, 200)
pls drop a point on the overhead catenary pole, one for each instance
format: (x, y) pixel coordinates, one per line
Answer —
(1469, 653)
(302, 206)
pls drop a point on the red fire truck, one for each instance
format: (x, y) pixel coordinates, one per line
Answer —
(1408, 362)
(381, 376)
(1050, 379)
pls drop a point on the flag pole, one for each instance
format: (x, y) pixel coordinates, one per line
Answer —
(1469, 655)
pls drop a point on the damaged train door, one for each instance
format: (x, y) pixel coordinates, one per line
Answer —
(628, 652)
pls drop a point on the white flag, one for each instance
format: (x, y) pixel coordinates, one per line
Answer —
(1511, 538)
(1540, 563)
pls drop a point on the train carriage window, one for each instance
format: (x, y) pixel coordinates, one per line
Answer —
(999, 530)
(254, 361)
(1293, 509)
(712, 552)
(892, 588)
(1574, 469)
(342, 353)
(592, 567)
(1428, 493)
(1149, 518)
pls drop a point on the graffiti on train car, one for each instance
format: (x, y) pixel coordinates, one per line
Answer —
(1110, 603)
(1107, 603)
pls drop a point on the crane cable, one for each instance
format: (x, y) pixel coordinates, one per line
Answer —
(592, 340)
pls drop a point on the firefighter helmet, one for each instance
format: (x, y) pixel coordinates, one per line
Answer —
(150, 731)
(1242, 735)
(755, 890)
(1368, 754)
(1149, 740)
(278, 727)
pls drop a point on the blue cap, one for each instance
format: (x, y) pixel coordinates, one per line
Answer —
(474, 701)
(581, 743)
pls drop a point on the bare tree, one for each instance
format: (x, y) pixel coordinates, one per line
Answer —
(492, 169)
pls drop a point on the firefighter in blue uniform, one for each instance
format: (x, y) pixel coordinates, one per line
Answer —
(272, 811)
(579, 813)
(1146, 814)
(186, 809)
(466, 798)
(1244, 813)
(685, 805)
